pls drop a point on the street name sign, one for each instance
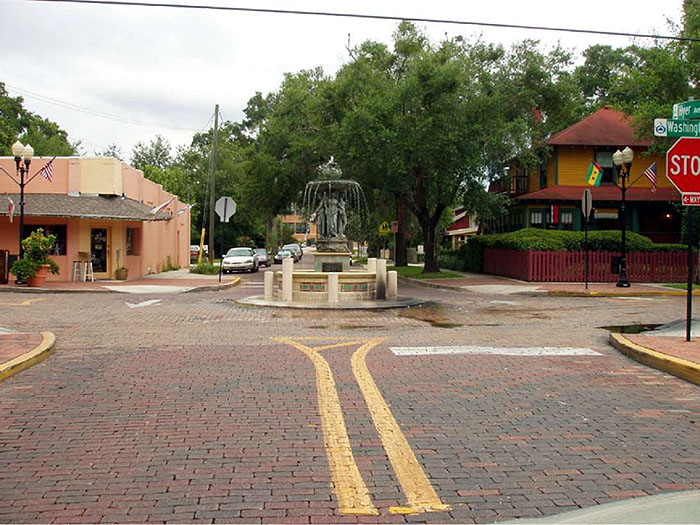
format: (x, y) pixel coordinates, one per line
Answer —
(664, 127)
(225, 208)
(687, 110)
(683, 168)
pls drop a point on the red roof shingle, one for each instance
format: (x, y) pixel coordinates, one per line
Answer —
(605, 127)
(601, 193)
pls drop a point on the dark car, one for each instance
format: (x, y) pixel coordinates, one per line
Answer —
(296, 250)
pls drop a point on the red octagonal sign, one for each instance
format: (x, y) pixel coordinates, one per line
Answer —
(683, 165)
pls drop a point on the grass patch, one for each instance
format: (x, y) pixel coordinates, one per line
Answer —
(205, 269)
(679, 286)
(416, 272)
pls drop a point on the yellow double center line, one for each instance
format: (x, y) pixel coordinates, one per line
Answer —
(349, 485)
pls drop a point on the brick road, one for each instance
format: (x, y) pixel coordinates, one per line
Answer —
(189, 411)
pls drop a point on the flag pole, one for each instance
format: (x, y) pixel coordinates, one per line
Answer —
(42, 169)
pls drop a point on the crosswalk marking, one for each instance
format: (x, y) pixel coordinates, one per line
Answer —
(490, 350)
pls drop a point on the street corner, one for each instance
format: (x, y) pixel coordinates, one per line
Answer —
(669, 354)
(19, 351)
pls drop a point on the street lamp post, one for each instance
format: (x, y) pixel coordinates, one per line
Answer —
(23, 158)
(623, 163)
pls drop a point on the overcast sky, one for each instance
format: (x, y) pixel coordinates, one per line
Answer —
(166, 68)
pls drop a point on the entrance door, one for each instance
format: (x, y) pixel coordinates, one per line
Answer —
(99, 249)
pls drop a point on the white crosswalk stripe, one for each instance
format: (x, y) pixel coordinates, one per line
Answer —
(489, 350)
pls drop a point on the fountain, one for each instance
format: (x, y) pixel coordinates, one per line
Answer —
(332, 283)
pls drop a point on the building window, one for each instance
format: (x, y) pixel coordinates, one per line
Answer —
(59, 230)
(567, 220)
(132, 241)
(603, 156)
(302, 227)
(537, 219)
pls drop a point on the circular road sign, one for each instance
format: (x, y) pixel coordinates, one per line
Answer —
(683, 165)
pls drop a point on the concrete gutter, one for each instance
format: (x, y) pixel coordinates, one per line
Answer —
(30, 358)
(22, 289)
(673, 365)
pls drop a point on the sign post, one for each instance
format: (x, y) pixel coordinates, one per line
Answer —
(586, 208)
(225, 208)
(683, 170)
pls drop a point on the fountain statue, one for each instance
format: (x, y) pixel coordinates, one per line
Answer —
(326, 201)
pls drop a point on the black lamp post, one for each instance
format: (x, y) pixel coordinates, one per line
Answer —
(623, 163)
(23, 158)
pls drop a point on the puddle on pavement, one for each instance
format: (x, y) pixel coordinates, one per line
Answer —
(630, 328)
(435, 315)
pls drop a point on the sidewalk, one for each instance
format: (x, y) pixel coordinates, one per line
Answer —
(21, 350)
(484, 283)
(665, 349)
(176, 281)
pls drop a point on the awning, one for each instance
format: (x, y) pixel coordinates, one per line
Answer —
(110, 207)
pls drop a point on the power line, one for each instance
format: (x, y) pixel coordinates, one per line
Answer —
(370, 17)
(88, 111)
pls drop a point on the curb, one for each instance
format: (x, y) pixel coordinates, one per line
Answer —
(205, 288)
(673, 365)
(214, 287)
(16, 365)
(424, 284)
(669, 293)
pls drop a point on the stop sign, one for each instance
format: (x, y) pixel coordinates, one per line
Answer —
(683, 165)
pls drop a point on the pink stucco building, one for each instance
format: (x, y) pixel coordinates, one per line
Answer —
(100, 208)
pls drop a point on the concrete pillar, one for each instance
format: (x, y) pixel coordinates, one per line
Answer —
(333, 287)
(392, 284)
(381, 279)
(372, 264)
(287, 269)
(270, 285)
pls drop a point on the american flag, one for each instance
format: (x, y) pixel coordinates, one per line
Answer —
(11, 208)
(650, 174)
(47, 171)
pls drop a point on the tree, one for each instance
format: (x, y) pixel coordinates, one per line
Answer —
(18, 123)
(112, 150)
(156, 154)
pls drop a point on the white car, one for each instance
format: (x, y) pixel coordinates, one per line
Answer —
(240, 260)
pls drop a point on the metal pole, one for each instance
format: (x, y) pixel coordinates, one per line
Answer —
(221, 261)
(21, 208)
(212, 185)
(623, 282)
(689, 302)
(585, 242)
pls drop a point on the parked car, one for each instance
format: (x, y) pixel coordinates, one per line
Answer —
(296, 250)
(283, 254)
(264, 258)
(194, 252)
(240, 259)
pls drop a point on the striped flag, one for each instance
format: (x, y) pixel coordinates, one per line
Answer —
(162, 206)
(650, 174)
(10, 208)
(183, 210)
(47, 171)
(595, 173)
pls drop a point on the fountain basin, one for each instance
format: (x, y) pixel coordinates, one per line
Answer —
(312, 286)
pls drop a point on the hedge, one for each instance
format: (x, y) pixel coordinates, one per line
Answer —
(470, 257)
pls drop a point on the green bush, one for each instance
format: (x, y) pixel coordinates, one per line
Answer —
(552, 240)
(37, 248)
(205, 269)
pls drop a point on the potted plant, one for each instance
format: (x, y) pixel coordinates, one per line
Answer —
(122, 272)
(35, 264)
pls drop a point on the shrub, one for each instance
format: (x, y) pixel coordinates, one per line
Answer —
(37, 248)
(205, 269)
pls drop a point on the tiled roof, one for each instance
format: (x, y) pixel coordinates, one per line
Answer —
(605, 127)
(601, 193)
(83, 206)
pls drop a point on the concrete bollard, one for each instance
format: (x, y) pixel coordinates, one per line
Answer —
(333, 288)
(381, 279)
(372, 264)
(270, 285)
(392, 284)
(287, 270)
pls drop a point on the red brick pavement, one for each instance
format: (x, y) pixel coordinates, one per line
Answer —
(674, 346)
(187, 411)
(14, 345)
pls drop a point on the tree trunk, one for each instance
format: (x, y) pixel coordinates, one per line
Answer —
(400, 255)
(430, 247)
(268, 233)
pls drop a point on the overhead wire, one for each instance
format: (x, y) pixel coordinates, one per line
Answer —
(393, 18)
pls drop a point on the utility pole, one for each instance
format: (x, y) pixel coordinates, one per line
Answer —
(212, 185)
